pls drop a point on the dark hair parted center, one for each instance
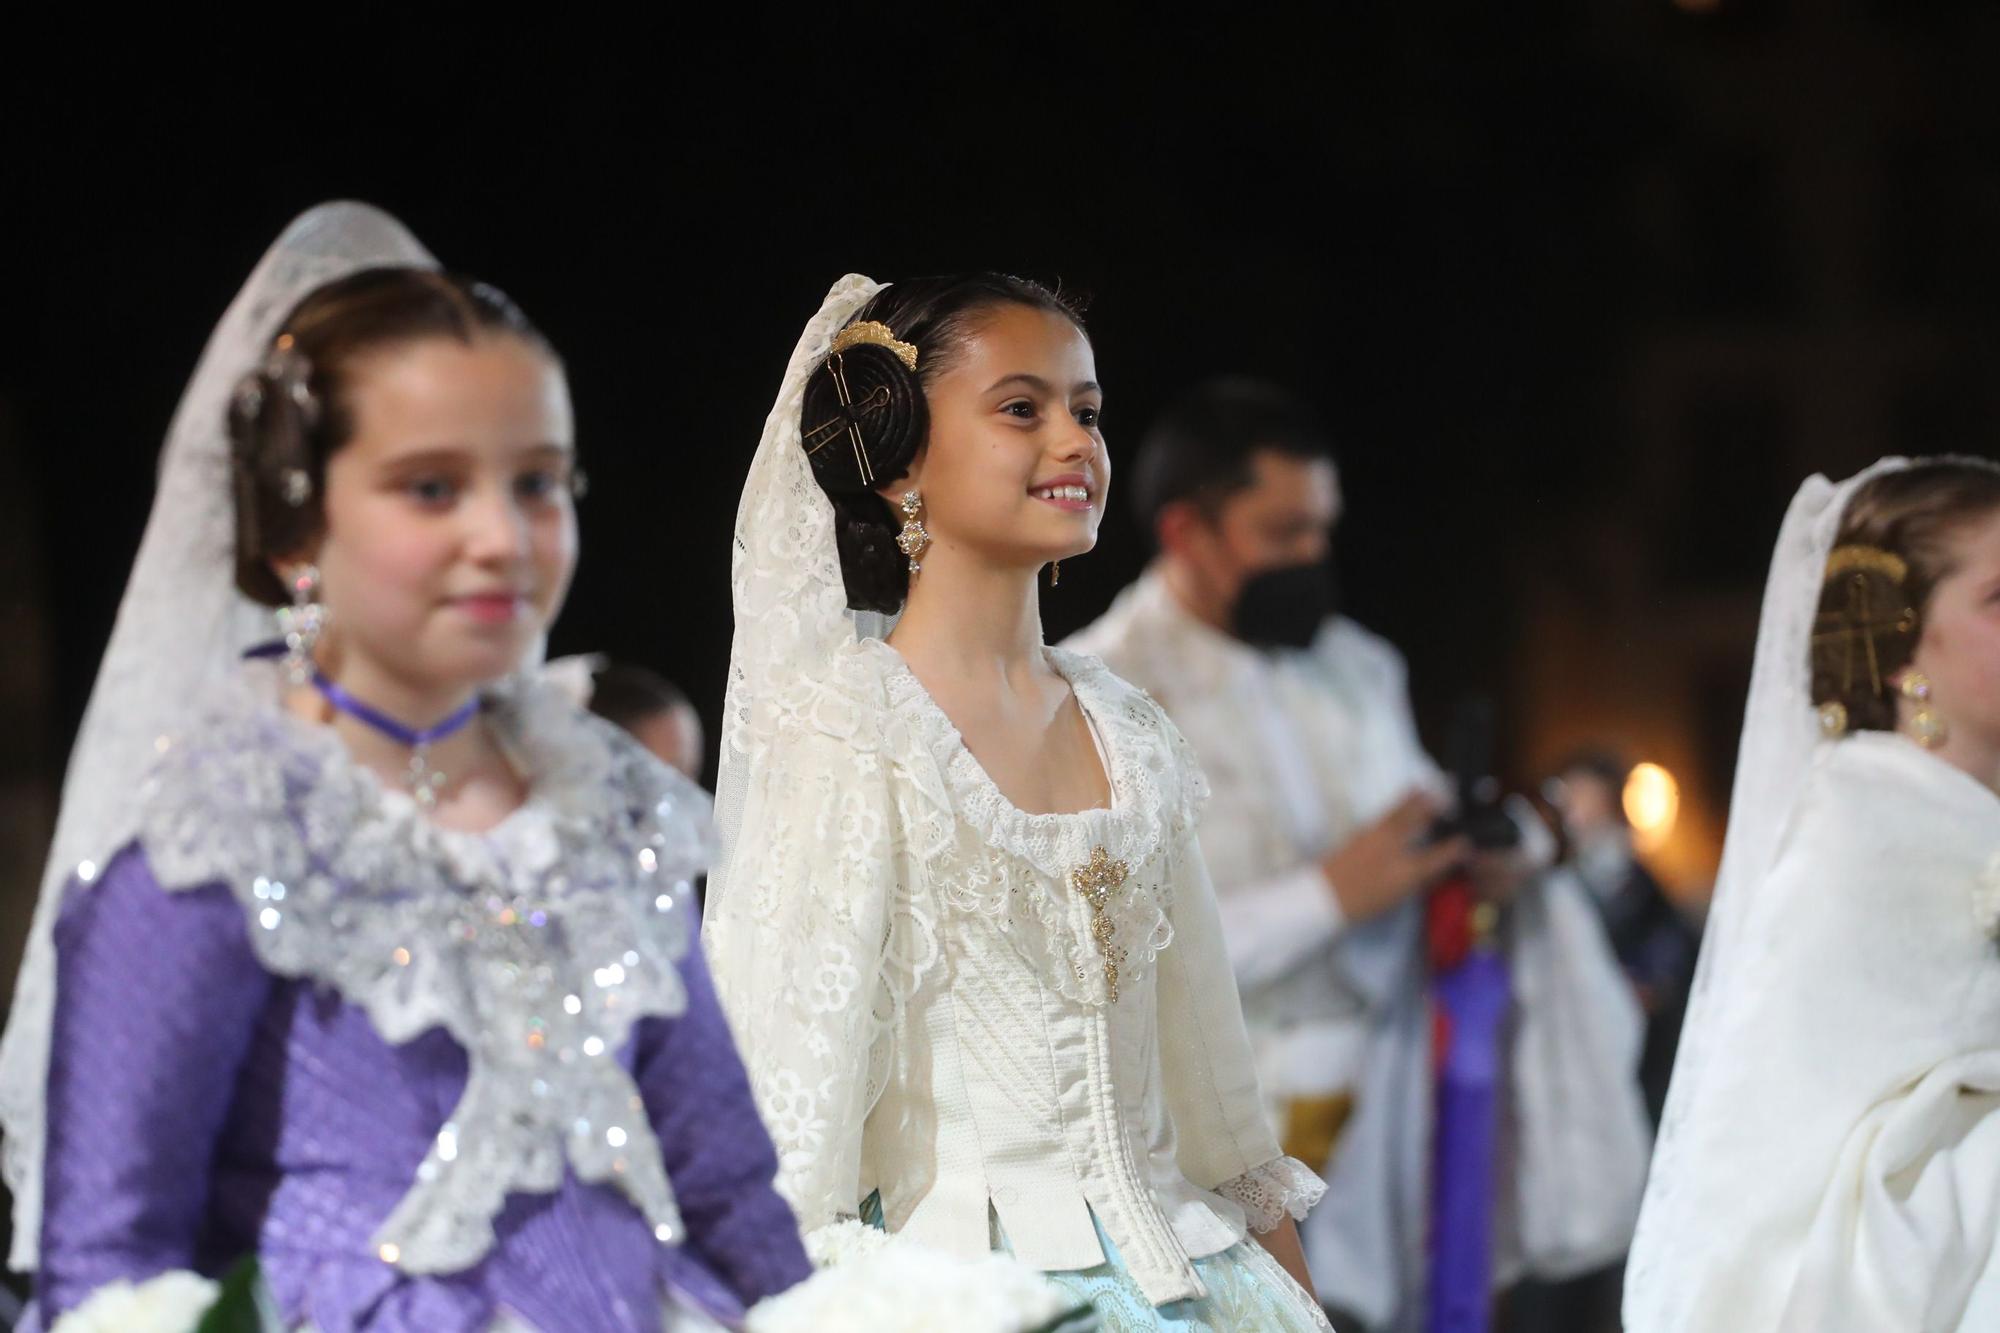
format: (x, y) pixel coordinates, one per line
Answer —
(294, 412)
(1870, 620)
(863, 417)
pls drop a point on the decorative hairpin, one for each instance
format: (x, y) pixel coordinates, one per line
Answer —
(1856, 625)
(290, 372)
(285, 376)
(1873, 559)
(878, 334)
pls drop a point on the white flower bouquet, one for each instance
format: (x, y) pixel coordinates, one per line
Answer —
(179, 1302)
(872, 1282)
(170, 1303)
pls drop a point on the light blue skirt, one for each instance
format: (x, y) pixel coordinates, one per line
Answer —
(1248, 1292)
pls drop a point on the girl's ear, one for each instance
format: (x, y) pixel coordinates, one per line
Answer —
(913, 480)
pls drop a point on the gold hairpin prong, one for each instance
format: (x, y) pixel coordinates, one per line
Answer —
(877, 334)
(831, 429)
(1873, 559)
(1859, 622)
(838, 367)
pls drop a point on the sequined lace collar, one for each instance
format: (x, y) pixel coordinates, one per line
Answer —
(537, 945)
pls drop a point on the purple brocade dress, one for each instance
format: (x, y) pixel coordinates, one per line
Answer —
(214, 1092)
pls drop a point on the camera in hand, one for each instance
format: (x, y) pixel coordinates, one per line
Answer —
(1480, 814)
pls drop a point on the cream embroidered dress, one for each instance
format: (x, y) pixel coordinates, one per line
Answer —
(1002, 1029)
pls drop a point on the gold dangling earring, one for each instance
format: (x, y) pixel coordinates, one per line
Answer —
(912, 540)
(1055, 572)
(1833, 720)
(1925, 724)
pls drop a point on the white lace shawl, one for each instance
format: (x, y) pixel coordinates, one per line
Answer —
(537, 945)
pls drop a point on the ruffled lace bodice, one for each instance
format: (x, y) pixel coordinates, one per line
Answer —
(1015, 868)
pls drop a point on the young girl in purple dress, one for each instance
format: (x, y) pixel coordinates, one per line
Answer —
(363, 953)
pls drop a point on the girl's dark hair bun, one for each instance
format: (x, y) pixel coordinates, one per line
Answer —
(862, 419)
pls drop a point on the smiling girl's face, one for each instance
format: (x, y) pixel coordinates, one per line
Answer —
(1014, 473)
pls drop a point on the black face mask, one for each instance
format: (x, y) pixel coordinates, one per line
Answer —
(1284, 607)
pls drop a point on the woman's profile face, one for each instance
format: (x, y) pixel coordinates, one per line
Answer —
(1015, 471)
(450, 529)
(1959, 650)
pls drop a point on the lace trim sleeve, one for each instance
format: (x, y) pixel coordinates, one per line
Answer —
(1282, 1187)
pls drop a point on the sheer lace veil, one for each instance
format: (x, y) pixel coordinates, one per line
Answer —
(181, 627)
(1780, 732)
(785, 583)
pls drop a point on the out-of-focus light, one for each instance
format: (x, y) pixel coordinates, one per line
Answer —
(1698, 6)
(1652, 805)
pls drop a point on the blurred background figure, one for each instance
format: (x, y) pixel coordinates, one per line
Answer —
(1654, 941)
(645, 703)
(1655, 945)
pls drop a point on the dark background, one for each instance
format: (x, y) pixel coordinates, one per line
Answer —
(1586, 290)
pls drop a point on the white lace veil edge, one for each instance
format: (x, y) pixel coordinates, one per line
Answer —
(181, 627)
(1780, 733)
(786, 588)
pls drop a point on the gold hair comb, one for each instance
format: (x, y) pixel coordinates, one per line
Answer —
(877, 333)
(1871, 558)
(1857, 624)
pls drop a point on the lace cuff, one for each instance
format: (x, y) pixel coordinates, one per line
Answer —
(1282, 1187)
(173, 1302)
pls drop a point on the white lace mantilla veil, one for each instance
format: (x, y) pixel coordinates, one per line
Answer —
(181, 629)
(1780, 733)
(785, 583)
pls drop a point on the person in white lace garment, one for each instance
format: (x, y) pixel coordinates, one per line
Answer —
(960, 920)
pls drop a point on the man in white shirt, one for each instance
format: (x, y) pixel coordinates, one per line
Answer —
(1316, 838)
